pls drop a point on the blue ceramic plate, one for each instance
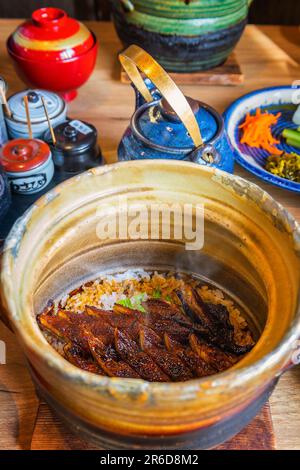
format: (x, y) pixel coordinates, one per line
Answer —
(274, 100)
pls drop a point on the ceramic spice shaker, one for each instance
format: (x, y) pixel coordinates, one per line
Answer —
(17, 125)
(28, 165)
(76, 149)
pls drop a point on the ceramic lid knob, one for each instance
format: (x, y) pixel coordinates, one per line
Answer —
(73, 137)
(70, 132)
(33, 97)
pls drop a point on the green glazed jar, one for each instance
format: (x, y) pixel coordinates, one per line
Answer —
(183, 35)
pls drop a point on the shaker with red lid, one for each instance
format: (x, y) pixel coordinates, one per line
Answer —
(28, 165)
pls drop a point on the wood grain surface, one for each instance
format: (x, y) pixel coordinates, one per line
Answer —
(268, 56)
(51, 434)
(227, 74)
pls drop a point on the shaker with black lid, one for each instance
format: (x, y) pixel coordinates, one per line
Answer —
(76, 148)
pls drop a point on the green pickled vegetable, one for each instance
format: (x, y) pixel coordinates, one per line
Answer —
(293, 143)
(285, 165)
(292, 135)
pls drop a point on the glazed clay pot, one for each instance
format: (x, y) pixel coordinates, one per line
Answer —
(184, 36)
(166, 124)
(53, 52)
(251, 250)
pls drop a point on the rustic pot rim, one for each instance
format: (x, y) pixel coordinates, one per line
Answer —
(231, 379)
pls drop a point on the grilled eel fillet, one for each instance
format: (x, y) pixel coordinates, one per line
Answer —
(211, 321)
(165, 343)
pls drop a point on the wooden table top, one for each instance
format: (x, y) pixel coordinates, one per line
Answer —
(269, 56)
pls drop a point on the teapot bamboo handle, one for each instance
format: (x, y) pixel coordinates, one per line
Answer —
(135, 60)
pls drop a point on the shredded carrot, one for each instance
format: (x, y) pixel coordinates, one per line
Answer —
(257, 131)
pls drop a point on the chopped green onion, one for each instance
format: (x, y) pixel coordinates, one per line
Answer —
(157, 294)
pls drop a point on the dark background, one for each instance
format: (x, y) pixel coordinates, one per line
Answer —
(262, 11)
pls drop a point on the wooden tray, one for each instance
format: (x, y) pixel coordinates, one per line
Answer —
(227, 74)
(51, 434)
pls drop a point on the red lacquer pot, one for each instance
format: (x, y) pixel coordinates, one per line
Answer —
(53, 51)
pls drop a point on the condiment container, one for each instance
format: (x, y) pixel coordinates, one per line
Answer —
(4, 193)
(167, 124)
(53, 51)
(28, 165)
(3, 131)
(76, 148)
(17, 125)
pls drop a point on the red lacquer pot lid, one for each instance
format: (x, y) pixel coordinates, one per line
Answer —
(20, 155)
(51, 34)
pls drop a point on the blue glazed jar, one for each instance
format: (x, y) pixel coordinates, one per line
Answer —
(157, 131)
(5, 197)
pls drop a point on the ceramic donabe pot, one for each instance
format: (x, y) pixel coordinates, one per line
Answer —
(184, 36)
(251, 250)
(28, 165)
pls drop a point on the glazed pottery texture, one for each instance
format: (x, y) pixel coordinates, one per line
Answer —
(152, 136)
(76, 149)
(4, 193)
(251, 250)
(53, 51)
(28, 165)
(184, 36)
(167, 124)
(17, 126)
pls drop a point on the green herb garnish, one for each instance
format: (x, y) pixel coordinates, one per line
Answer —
(125, 302)
(135, 302)
(157, 294)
